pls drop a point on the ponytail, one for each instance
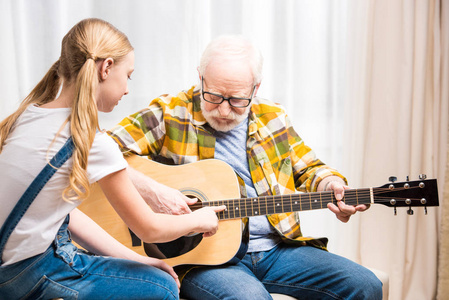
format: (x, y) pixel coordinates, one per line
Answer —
(83, 126)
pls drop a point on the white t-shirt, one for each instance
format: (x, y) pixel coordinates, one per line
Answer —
(25, 153)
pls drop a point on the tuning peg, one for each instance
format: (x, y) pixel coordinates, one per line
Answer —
(395, 211)
(422, 176)
(425, 210)
(406, 178)
(392, 178)
(410, 211)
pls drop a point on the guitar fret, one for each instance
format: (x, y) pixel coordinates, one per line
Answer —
(296, 205)
(282, 203)
(224, 211)
(310, 201)
(278, 207)
(313, 202)
(270, 206)
(257, 211)
(234, 208)
(246, 208)
(231, 208)
(321, 201)
(238, 208)
(263, 208)
(291, 204)
(266, 206)
(220, 215)
(252, 206)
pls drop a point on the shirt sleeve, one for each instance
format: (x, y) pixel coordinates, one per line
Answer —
(143, 132)
(308, 170)
(105, 158)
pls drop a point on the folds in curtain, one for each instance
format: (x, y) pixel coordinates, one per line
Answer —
(397, 113)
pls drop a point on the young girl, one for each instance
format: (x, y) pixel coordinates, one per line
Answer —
(39, 260)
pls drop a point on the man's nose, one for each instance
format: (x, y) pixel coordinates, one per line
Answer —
(224, 108)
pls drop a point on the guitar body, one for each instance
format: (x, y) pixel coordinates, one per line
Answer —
(207, 180)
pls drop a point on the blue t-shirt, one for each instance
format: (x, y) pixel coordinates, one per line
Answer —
(230, 147)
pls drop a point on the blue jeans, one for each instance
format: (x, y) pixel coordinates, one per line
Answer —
(302, 272)
(65, 272)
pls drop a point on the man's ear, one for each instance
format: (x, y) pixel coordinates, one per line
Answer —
(257, 89)
(199, 74)
(105, 68)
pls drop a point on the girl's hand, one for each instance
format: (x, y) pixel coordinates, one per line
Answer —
(207, 219)
(163, 266)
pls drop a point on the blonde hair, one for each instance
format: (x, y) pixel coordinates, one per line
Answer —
(89, 41)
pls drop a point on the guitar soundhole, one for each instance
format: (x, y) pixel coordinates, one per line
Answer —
(175, 248)
(181, 245)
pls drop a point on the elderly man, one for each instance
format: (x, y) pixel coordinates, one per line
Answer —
(222, 118)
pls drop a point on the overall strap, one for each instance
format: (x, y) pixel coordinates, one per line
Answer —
(32, 191)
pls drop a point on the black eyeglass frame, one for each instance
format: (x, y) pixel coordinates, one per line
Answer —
(227, 99)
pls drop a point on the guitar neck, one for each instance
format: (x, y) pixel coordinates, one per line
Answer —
(259, 206)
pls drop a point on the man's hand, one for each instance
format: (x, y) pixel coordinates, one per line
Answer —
(170, 201)
(161, 198)
(342, 211)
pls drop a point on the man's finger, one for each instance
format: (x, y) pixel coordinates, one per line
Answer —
(191, 201)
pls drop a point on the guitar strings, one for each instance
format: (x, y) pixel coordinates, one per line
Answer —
(351, 197)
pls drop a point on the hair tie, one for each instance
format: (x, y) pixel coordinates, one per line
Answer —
(91, 56)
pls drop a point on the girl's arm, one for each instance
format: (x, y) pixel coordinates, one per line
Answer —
(149, 226)
(93, 238)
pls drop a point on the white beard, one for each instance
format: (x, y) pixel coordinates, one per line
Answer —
(233, 118)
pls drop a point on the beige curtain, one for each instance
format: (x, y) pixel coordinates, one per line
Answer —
(397, 124)
(443, 266)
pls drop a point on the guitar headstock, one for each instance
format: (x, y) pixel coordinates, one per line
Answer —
(418, 193)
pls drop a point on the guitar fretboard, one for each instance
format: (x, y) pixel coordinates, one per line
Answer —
(267, 205)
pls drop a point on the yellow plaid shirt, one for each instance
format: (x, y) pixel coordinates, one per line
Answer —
(172, 130)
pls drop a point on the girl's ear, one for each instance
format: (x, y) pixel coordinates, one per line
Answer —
(105, 68)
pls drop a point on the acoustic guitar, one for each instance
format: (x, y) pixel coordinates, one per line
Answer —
(214, 182)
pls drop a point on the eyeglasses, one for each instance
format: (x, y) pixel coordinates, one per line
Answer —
(218, 99)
